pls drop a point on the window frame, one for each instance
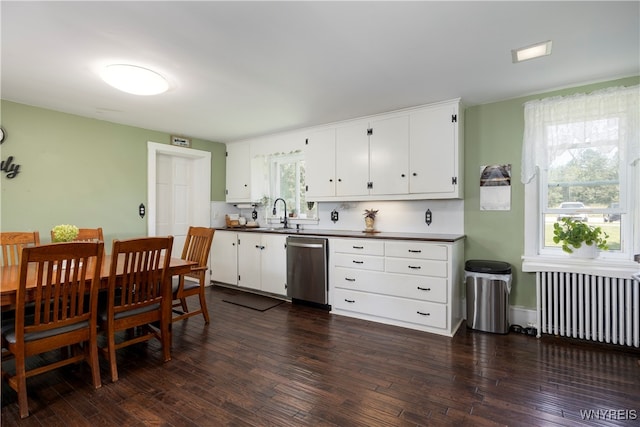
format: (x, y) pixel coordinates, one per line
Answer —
(621, 263)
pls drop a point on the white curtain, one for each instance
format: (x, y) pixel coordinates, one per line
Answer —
(616, 111)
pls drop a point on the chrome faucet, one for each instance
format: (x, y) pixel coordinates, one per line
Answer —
(286, 224)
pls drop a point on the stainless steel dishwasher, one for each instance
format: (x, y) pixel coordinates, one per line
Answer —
(307, 271)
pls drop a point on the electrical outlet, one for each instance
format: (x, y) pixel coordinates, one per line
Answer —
(334, 215)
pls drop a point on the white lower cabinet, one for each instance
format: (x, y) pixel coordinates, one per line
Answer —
(224, 257)
(262, 262)
(414, 284)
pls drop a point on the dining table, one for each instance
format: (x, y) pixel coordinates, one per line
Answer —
(10, 277)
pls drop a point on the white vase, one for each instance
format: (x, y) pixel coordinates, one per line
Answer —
(585, 251)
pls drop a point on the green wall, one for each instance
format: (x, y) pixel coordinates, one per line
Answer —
(493, 135)
(76, 170)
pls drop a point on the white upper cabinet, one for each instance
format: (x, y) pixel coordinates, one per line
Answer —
(352, 159)
(410, 154)
(238, 172)
(389, 156)
(320, 163)
(436, 151)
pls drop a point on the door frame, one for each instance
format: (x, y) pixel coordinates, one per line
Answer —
(201, 182)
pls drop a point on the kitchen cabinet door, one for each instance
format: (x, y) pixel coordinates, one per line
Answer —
(389, 156)
(224, 257)
(352, 159)
(435, 152)
(320, 164)
(249, 260)
(238, 173)
(274, 264)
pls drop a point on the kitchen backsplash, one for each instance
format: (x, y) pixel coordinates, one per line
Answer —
(447, 216)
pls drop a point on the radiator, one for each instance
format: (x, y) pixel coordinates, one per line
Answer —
(589, 307)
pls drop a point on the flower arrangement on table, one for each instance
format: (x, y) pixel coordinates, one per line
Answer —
(64, 233)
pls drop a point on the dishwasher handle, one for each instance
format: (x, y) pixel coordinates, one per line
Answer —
(306, 245)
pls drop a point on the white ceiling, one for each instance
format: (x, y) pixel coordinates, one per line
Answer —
(242, 69)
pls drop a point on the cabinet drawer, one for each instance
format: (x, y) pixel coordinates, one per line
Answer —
(432, 289)
(418, 267)
(358, 246)
(361, 280)
(416, 250)
(415, 287)
(362, 262)
(406, 310)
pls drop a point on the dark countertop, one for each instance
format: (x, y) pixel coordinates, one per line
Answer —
(427, 237)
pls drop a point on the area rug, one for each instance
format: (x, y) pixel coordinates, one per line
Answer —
(253, 301)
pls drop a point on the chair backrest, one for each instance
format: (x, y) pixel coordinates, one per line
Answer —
(197, 246)
(86, 235)
(63, 274)
(144, 263)
(12, 243)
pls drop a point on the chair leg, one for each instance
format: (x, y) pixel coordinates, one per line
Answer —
(165, 336)
(111, 350)
(203, 305)
(94, 362)
(21, 386)
(183, 303)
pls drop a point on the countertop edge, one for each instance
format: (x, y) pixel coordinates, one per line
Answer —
(448, 238)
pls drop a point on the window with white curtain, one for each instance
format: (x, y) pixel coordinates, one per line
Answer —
(580, 159)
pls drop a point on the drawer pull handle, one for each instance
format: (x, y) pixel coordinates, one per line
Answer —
(423, 314)
(349, 279)
(358, 262)
(358, 247)
(413, 251)
(350, 301)
(414, 267)
(424, 289)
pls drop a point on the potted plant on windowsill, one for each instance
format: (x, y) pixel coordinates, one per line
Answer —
(579, 238)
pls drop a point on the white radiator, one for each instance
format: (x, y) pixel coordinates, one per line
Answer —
(590, 307)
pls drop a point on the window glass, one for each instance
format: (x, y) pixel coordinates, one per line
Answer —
(584, 177)
(288, 183)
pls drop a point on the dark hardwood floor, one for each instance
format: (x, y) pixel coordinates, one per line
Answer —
(297, 366)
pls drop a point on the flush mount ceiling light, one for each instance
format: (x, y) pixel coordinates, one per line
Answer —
(530, 52)
(134, 80)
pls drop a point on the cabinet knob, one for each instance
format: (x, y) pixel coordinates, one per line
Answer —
(414, 174)
(330, 179)
(339, 180)
(423, 314)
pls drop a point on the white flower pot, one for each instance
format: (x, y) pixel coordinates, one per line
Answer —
(585, 251)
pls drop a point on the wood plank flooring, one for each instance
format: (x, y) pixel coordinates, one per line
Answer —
(297, 366)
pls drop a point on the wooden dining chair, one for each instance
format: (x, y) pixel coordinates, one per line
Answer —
(59, 316)
(86, 235)
(196, 248)
(139, 297)
(12, 243)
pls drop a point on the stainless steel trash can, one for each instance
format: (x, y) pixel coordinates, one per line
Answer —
(488, 284)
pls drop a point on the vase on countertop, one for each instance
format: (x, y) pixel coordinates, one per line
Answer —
(369, 224)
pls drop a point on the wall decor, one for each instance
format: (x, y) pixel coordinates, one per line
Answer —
(10, 168)
(180, 141)
(495, 188)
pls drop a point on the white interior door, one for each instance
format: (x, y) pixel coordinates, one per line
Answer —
(174, 198)
(179, 192)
